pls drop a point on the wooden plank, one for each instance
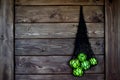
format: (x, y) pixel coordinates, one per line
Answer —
(118, 53)
(51, 65)
(60, 77)
(56, 30)
(6, 40)
(0, 44)
(53, 46)
(59, 2)
(58, 13)
(112, 39)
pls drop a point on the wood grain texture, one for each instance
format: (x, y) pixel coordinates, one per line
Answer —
(118, 36)
(47, 59)
(112, 40)
(50, 64)
(60, 77)
(53, 46)
(58, 13)
(6, 40)
(59, 2)
(56, 30)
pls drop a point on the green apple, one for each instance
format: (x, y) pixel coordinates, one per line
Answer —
(74, 63)
(85, 65)
(93, 61)
(78, 72)
(82, 57)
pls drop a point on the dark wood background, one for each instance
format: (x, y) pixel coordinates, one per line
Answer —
(44, 37)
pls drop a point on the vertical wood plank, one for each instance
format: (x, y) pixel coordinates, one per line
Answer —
(6, 40)
(118, 55)
(112, 8)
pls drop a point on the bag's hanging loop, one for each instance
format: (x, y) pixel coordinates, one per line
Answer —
(83, 57)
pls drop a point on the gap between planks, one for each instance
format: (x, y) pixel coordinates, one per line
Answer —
(53, 55)
(54, 73)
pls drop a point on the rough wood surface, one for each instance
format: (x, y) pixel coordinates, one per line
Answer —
(51, 65)
(112, 40)
(38, 55)
(60, 77)
(56, 30)
(53, 46)
(6, 40)
(58, 13)
(59, 2)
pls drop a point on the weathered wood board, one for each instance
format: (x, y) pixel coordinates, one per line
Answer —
(6, 40)
(56, 30)
(51, 65)
(53, 46)
(58, 13)
(112, 27)
(59, 2)
(60, 77)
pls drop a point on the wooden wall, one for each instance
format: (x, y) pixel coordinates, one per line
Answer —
(44, 37)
